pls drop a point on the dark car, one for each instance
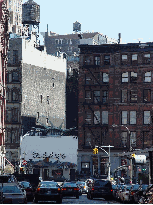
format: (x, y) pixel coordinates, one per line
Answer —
(28, 188)
(100, 189)
(139, 193)
(70, 189)
(48, 191)
(12, 194)
(134, 189)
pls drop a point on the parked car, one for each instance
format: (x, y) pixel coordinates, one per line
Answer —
(12, 194)
(83, 186)
(28, 188)
(100, 189)
(139, 192)
(125, 194)
(134, 189)
(48, 191)
(70, 189)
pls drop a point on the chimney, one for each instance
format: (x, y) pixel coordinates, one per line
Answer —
(119, 38)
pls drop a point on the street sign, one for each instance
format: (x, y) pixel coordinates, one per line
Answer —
(24, 162)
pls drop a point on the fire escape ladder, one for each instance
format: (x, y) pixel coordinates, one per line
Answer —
(94, 76)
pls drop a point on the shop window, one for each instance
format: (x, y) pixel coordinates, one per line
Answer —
(147, 95)
(146, 117)
(132, 117)
(124, 117)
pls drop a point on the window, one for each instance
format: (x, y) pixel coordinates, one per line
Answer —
(133, 77)
(96, 117)
(146, 117)
(105, 96)
(97, 60)
(15, 115)
(15, 56)
(47, 120)
(96, 78)
(88, 118)
(88, 96)
(87, 60)
(133, 96)
(15, 95)
(147, 77)
(15, 76)
(146, 139)
(8, 115)
(132, 117)
(41, 98)
(124, 77)
(96, 96)
(88, 139)
(87, 79)
(124, 117)
(133, 139)
(147, 58)
(124, 58)
(48, 99)
(37, 115)
(134, 57)
(106, 59)
(124, 139)
(104, 117)
(124, 96)
(57, 41)
(147, 96)
(105, 78)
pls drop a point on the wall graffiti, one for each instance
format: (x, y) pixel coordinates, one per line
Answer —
(45, 155)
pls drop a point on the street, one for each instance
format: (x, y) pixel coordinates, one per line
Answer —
(82, 200)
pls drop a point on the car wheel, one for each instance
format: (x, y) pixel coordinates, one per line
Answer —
(35, 200)
(77, 197)
(59, 201)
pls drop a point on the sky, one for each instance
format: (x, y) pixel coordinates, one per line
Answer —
(131, 18)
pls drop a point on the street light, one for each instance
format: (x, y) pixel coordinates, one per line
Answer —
(109, 164)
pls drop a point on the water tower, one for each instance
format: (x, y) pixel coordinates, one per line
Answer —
(76, 26)
(31, 18)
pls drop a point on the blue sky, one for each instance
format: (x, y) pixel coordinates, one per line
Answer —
(131, 18)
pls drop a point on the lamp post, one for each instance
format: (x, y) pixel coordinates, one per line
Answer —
(129, 146)
(108, 153)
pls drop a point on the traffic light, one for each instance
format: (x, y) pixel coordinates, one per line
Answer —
(133, 155)
(95, 151)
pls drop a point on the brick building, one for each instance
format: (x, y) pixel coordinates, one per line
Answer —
(115, 87)
(3, 68)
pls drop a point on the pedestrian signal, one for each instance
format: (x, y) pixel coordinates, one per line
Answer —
(95, 151)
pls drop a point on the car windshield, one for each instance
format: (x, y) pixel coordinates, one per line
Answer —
(25, 184)
(80, 183)
(48, 184)
(11, 189)
(69, 185)
(102, 183)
